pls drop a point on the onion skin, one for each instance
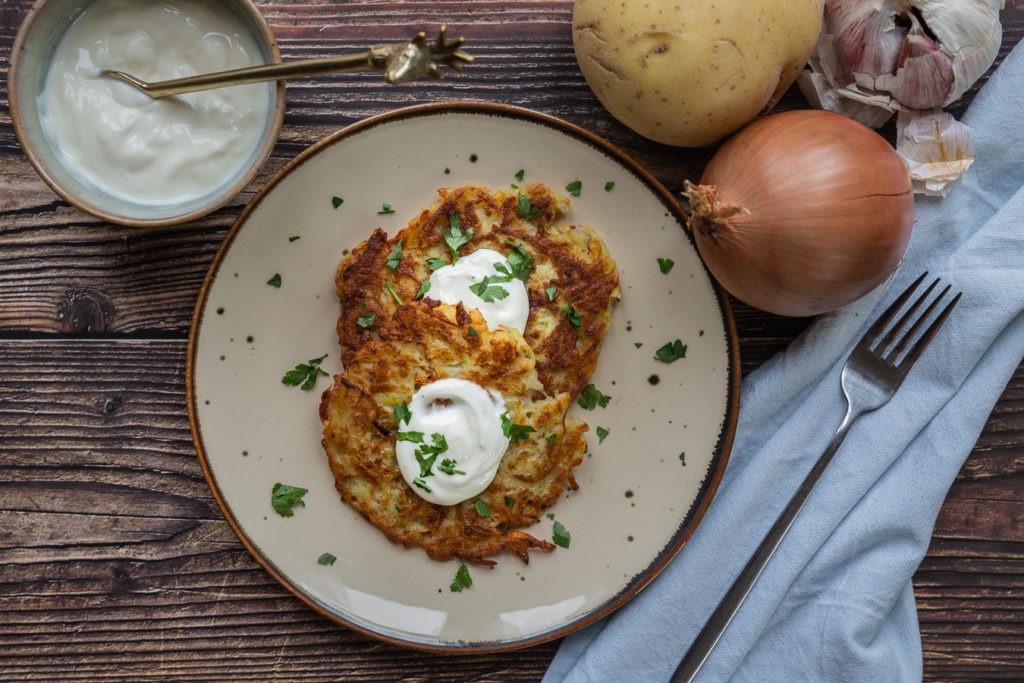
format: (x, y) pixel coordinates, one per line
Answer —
(802, 212)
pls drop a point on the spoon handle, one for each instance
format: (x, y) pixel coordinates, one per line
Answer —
(399, 63)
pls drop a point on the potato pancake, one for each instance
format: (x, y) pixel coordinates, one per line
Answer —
(571, 288)
(423, 342)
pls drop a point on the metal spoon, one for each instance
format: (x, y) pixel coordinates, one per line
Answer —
(399, 63)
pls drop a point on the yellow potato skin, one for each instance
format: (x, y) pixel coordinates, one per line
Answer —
(689, 73)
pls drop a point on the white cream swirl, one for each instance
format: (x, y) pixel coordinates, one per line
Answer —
(453, 442)
(504, 302)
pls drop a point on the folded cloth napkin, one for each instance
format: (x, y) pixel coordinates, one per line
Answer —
(836, 601)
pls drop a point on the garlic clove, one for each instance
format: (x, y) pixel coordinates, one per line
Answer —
(936, 148)
(968, 31)
(925, 75)
(866, 38)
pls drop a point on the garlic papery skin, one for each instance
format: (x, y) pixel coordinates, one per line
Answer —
(936, 148)
(907, 54)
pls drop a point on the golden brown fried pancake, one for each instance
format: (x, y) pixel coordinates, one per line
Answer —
(423, 342)
(570, 258)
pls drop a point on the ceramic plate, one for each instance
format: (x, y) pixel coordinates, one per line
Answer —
(643, 487)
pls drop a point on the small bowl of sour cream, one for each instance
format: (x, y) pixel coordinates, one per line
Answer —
(111, 150)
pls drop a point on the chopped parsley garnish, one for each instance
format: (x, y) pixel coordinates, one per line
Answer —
(462, 579)
(386, 208)
(514, 432)
(275, 280)
(435, 263)
(526, 209)
(609, 186)
(560, 536)
(424, 288)
(670, 352)
(682, 458)
(326, 559)
(551, 438)
(426, 454)
(448, 467)
(411, 437)
(510, 501)
(638, 344)
(337, 201)
(402, 412)
(482, 508)
(294, 238)
(551, 291)
(520, 263)
(487, 291)
(520, 174)
(284, 497)
(304, 375)
(455, 237)
(393, 293)
(472, 332)
(366, 320)
(395, 257)
(591, 397)
(422, 484)
(601, 434)
(574, 188)
(572, 314)
(665, 264)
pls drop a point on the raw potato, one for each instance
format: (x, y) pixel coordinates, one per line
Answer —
(689, 73)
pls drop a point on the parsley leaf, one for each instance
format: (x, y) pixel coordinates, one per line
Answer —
(394, 295)
(275, 280)
(304, 375)
(488, 292)
(427, 454)
(284, 497)
(424, 288)
(386, 208)
(471, 331)
(591, 397)
(572, 314)
(435, 263)
(609, 186)
(520, 174)
(682, 458)
(294, 238)
(455, 237)
(326, 559)
(574, 188)
(514, 432)
(665, 264)
(337, 201)
(411, 437)
(560, 535)
(482, 508)
(551, 291)
(601, 434)
(526, 209)
(520, 263)
(422, 484)
(402, 412)
(395, 257)
(510, 501)
(462, 579)
(448, 467)
(366, 320)
(670, 352)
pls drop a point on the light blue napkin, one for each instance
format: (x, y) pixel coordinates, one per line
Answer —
(836, 602)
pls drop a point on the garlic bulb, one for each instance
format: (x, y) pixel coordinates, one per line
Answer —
(877, 57)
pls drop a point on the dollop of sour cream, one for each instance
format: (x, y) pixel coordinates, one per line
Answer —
(155, 152)
(509, 305)
(452, 445)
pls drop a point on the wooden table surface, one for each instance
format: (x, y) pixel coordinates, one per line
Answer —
(115, 562)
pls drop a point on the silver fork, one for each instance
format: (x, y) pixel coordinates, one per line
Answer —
(874, 371)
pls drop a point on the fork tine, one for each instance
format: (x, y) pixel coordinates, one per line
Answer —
(921, 319)
(883, 320)
(908, 315)
(918, 348)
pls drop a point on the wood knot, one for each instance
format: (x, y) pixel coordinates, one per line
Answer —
(85, 310)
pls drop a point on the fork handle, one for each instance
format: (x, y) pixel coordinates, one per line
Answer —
(730, 604)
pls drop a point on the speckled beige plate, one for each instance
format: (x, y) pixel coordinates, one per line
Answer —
(639, 496)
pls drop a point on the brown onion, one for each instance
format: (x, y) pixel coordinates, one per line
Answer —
(802, 212)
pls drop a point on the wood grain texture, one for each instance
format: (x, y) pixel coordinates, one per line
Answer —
(115, 563)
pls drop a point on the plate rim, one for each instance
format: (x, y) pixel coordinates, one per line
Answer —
(708, 487)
